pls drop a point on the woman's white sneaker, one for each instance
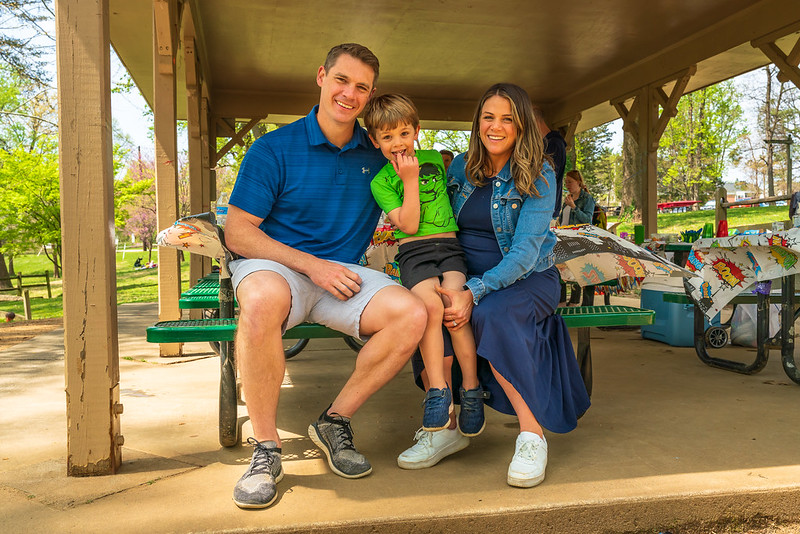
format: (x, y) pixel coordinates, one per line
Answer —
(431, 447)
(529, 462)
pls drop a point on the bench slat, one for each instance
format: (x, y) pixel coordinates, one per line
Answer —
(587, 316)
(190, 330)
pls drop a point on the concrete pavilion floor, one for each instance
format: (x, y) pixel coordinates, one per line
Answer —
(666, 442)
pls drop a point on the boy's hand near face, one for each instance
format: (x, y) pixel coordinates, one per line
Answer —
(407, 168)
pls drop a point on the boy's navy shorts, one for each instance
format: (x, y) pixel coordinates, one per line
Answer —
(429, 258)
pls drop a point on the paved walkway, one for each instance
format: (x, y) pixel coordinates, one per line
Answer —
(667, 441)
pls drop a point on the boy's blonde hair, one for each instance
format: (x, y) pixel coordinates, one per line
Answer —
(388, 111)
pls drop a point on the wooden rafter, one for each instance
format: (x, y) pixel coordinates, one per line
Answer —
(669, 104)
(568, 128)
(236, 139)
(787, 64)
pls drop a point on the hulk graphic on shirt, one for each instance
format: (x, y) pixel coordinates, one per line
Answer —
(435, 212)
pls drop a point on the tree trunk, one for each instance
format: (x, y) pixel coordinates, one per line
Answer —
(768, 131)
(4, 273)
(631, 186)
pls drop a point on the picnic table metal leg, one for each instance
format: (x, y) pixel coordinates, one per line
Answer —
(762, 333)
(585, 357)
(228, 397)
(788, 315)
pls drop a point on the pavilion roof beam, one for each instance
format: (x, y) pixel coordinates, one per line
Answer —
(568, 129)
(786, 63)
(236, 139)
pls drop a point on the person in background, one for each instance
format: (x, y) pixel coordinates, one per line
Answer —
(503, 192)
(556, 147)
(578, 203)
(447, 158)
(10, 316)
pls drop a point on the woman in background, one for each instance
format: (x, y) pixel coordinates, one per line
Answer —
(578, 204)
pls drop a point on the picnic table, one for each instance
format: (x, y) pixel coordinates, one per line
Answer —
(728, 267)
(203, 229)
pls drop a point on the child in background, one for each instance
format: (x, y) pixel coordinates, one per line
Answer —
(411, 189)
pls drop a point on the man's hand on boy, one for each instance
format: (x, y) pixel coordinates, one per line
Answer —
(407, 168)
(336, 279)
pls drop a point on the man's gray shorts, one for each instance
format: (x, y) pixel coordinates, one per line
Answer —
(311, 303)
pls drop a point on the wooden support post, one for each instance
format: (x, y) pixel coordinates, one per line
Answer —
(644, 123)
(26, 305)
(47, 281)
(91, 352)
(193, 82)
(720, 211)
(165, 13)
(19, 284)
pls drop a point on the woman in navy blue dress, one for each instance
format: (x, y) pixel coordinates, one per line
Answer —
(503, 192)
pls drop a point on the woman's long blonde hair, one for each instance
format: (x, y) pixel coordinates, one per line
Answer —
(528, 156)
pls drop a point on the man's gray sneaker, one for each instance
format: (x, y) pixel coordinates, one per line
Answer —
(257, 487)
(333, 434)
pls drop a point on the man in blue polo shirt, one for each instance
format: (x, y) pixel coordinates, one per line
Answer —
(302, 213)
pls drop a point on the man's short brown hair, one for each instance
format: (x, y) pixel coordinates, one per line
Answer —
(388, 111)
(357, 51)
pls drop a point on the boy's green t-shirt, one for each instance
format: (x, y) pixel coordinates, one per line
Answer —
(435, 212)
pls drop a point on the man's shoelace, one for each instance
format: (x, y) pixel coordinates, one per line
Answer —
(344, 434)
(262, 461)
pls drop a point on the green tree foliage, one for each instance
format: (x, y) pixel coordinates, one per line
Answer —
(778, 109)
(699, 143)
(135, 203)
(455, 141)
(30, 214)
(24, 39)
(593, 156)
(228, 166)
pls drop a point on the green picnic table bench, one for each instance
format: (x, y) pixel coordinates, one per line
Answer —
(215, 292)
(222, 330)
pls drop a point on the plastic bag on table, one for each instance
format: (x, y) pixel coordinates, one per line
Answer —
(743, 324)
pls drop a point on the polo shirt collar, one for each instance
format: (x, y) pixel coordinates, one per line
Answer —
(316, 137)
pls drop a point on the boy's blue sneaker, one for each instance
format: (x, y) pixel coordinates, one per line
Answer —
(438, 406)
(471, 421)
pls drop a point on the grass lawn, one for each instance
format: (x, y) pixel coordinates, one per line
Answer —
(674, 223)
(132, 285)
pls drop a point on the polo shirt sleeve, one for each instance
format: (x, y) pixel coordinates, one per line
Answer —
(385, 194)
(258, 184)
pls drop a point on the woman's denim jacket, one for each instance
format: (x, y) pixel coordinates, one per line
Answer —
(521, 225)
(583, 211)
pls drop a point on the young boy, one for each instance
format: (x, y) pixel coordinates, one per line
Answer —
(411, 189)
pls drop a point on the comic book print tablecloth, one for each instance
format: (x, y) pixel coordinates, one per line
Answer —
(728, 265)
